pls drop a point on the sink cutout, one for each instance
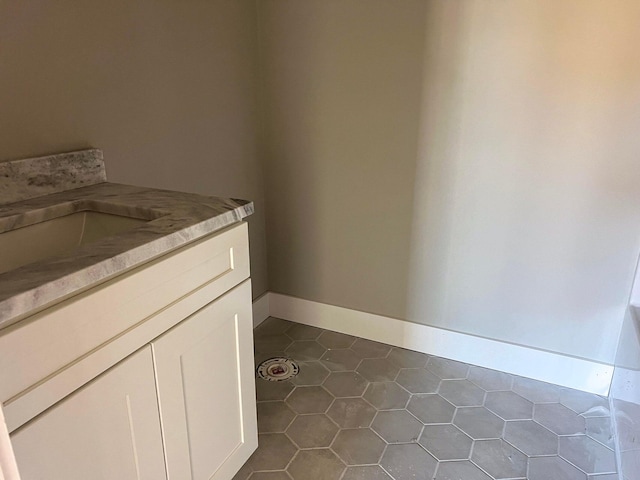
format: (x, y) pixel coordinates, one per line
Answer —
(59, 236)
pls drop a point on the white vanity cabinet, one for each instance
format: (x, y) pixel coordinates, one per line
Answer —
(151, 379)
(108, 429)
(206, 405)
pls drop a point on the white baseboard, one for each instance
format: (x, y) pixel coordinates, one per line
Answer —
(578, 373)
(261, 309)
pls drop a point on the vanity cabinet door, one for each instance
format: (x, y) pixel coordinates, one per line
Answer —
(206, 389)
(109, 429)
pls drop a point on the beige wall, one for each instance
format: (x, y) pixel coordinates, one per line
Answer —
(342, 83)
(471, 165)
(165, 88)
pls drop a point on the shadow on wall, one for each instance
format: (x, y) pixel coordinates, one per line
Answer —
(466, 165)
(526, 184)
(525, 222)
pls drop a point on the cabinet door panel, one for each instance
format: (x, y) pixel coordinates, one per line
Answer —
(109, 429)
(204, 374)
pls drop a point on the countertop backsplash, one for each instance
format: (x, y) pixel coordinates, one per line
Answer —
(77, 182)
(34, 177)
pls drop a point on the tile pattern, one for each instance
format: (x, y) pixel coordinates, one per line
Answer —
(361, 410)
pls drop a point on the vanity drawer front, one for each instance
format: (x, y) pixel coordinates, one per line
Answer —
(53, 340)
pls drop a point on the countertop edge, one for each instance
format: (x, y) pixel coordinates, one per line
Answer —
(212, 215)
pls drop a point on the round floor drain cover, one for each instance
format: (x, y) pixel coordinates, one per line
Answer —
(277, 369)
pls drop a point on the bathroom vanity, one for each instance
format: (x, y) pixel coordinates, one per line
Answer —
(127, 351)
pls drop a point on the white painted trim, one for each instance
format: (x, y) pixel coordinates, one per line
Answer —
(260, 309)
(578, 373)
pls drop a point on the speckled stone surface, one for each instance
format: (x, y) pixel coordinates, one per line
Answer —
(175, 219)
(34, 177)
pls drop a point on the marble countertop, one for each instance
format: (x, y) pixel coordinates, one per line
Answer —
(174, 219)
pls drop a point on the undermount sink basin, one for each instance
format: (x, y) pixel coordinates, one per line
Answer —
(59, 236)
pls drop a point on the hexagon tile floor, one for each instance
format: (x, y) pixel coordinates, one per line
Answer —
(361, 410)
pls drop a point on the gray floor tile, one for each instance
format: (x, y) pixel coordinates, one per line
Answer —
(397, 426)
(320, 464)
(271, 343)
(402, 358)
(378, 370)
(272, 326)
(418, 380)
(606, 476)
(408, 462)
(311, 373)
(536, 391)
(244, 472)
(587, 454)
(509, 405)
(490, 380)
(351, 412)
(446, 442)
(305, 350)
(309, 400)
(464, 470)
(270, 476)
(386, 396)
(559, 419)
(341, 360)
(462, 393)
(447, 369)
(370, 349)
(361, 423)
(274, 417)
(599, 428)
(598, 411)
(478, 422)
(499, 459)
(345, 384)
(310, 431)
(274, 452)
(334, 340)
(268, 391)
(358, 446)
(431, 408)
(531, 438)
(371, 472)
(299, 331)
(553, 468)
(584, 403)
